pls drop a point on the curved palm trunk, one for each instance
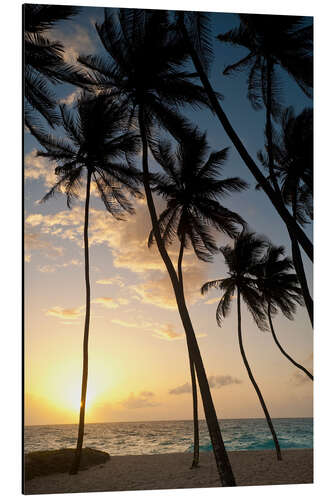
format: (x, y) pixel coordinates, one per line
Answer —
(77, 458)
(298, 263)
(221, 456)
(195, 462)
(296, 253)
(299, 268)
(254, 383)
(280, 207)
(281, 348)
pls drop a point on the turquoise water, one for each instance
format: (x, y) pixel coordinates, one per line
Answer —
(136, 438)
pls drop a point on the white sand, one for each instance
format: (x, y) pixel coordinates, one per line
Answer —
(149, 472)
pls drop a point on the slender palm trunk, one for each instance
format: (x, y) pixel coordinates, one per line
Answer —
(254, 383)
(280, 207)
(298, 263)
(281, 348)
(221, 456)
(195, 462)
(296, 253)
(76, 463)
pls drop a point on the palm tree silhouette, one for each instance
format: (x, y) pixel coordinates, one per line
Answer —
(194, 30)
(279, 290)
(191, 186)
(145, 70)
(293, 170)
(94, 147)
(273, 42)
(241, 261)
(44, 63)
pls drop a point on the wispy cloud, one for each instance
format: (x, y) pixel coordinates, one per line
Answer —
(51, 268)
(108, 302)
(215, 382)
(143, 400)
(181, 389)
(161, 331)
(63, 313)
(33, 241)
(167, 332)
(115, 280)
(222, 380)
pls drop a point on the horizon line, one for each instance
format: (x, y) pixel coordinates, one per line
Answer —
(165, 420)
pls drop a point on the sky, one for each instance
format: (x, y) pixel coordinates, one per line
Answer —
(136, 335)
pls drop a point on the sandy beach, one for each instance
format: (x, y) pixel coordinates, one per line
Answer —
(169, 471)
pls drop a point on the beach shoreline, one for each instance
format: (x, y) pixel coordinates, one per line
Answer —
(172, 471)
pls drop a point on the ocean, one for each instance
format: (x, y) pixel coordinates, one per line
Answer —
(148, 438)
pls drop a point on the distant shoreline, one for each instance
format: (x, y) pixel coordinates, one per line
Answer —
(170, 471)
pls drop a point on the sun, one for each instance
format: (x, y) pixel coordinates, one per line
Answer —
(72, 396)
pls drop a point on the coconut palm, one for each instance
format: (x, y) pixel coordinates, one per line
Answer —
(191, 186)
(293, 171)
(94, 148)
(273, 42)
(145, 70)
(241, 261)
(279, 290)
(44, 64)
(193, 27)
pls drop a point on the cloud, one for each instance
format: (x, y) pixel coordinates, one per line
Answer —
(35, 241)
(108, 302)
(300, 378)
(62, 313)
(222, 380)
(147, 394)
(158, 290)
(115, 280)
(70, 98)
(127, 241)
(39, 168)
(143, 400)
(158, 330)
(51, 268)
(167, 332)
(126, 324)
(77, 42)
(215, 382)
(181, 389)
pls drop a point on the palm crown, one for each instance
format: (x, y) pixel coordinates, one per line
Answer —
(96, 143)
(192, 187)
(44, 63)
(278, 286)
(146, 66)
(284, 41)
(293, 161)
(242, 261)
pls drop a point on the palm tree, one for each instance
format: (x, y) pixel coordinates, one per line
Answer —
(44, 63)
(145, 70)
(94, 146)
(273, 42)
(293, 170)
(194, 30)
(191, 187)
(241, 262)
(279, 290)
